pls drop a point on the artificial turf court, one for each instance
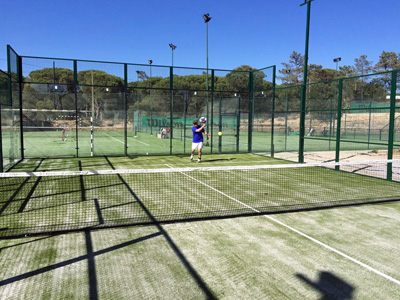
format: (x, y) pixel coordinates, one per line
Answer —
(112, 142)
(343, 253)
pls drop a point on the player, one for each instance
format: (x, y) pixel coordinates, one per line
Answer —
(198, 137)
(64, 134)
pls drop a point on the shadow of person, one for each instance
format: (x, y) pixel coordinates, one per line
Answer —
(330, 286)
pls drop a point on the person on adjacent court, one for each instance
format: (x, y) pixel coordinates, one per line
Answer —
(198, 138)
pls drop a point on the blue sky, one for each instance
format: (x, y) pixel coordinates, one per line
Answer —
(253, 32)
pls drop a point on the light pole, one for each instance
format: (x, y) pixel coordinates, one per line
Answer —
(304, 89)
(173, 47)
(207, 19)
(336, 60)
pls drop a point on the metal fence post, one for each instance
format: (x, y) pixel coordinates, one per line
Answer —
(339, 121)
(391, 122)
(212, 111)
(76, 107)
(171, 88)
(1, 148)
(19, 76)
(251, 110)
(273, 112)
(125, 109)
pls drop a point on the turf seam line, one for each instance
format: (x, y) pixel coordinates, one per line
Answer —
(301, 233)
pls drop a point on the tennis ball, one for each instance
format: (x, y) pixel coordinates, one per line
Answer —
(220, 133)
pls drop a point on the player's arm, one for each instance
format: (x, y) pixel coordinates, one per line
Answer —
(207, 134)
(201, 128)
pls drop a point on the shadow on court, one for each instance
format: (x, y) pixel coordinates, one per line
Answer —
(214, 160)
(330, 286)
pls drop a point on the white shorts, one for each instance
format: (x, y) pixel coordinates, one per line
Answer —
(197, 146)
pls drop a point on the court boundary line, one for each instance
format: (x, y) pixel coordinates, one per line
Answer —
(371, 269)
(124, 142)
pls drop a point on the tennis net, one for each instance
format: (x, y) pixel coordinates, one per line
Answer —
(48, 202)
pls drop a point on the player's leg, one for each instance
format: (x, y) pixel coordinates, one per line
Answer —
(194, 146)
(200, 151)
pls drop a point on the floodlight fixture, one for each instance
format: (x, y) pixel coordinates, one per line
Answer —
(337, 59)
(173, 47)
(206, 18)
(150, 62)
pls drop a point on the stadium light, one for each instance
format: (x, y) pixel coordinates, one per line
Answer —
(336, 60)
(173, 47)
(206, 18)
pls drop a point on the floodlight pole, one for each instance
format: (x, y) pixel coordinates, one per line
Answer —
(173, 47)
(207, 19)
(304, 88)
(336, 60)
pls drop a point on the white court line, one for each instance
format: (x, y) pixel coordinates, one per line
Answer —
(302, 234)
(124, 142)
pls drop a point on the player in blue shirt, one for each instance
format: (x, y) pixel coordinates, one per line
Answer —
(198, 138)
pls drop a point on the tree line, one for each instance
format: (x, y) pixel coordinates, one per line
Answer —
(103, 93)
(292, 71)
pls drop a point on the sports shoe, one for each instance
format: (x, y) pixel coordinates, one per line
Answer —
(199, 160)
(191, 157)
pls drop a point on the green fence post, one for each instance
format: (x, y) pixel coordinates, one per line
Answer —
(273, 112)
(212, 111)
(19, 76)
(76, 108)
(251, 110)
(1, 148)
(238, 126)
(391, 122)
(304, 87)
(339, 121)
(171, 113)
(220, 124)
(126, 109)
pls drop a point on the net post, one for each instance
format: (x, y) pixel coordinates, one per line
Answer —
(76, 107)
(171, 113)
(339, 121)
(273, 111)
(126, 109)
(393, 89)
(251, 108)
